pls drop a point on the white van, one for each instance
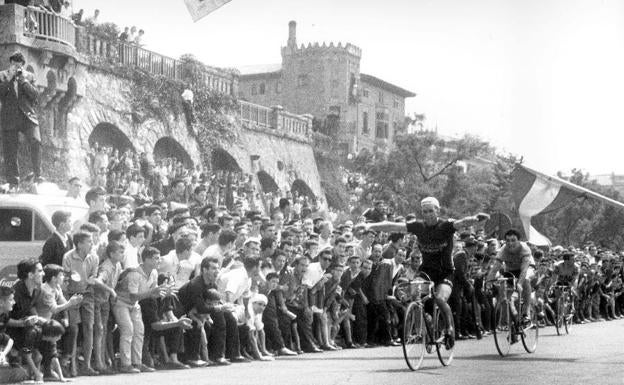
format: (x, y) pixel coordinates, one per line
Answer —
(25, 224)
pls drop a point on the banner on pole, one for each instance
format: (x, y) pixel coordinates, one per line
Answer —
(200, 8)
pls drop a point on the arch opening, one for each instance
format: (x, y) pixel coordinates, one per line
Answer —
(301, 188)
(108, 135)
(168, 147)
(267, 183)
(222, 160)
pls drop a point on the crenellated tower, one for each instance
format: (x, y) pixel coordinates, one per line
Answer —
(323, 79)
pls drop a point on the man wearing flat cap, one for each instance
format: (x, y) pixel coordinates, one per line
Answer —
(18, 95)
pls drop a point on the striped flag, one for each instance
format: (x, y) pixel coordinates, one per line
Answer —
(201, 8)
(535, 193)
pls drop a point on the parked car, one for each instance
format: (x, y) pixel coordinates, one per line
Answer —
(25, 224)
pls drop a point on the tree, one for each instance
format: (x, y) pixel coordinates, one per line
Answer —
(424, 164)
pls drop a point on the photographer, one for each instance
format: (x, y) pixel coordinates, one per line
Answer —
(19, 97)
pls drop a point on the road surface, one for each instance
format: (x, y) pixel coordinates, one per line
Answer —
(591, 354)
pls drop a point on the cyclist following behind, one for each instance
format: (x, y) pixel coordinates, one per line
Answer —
(566, 272)
(435, 241)
(516, 258)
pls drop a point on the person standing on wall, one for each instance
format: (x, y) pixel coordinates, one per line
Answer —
(18, 95)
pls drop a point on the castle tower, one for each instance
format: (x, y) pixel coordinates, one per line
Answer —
(321, 79)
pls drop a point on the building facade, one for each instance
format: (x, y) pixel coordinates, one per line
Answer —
(359, 110)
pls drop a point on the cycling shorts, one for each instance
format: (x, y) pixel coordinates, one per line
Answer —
(439, 276)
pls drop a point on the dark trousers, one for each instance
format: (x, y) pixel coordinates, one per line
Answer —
(192, 342)
(223, 338)
(360, 325)
(274, 340)
(173, 339)
(10, 141)
(304, 328)
(378, 322)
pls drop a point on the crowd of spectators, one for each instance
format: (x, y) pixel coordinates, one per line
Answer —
(132, 289)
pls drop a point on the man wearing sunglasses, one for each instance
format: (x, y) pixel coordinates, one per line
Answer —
(435, 241)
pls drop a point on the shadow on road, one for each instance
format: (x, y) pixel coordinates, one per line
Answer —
(520, 357)
(425, 370)
(324, 358)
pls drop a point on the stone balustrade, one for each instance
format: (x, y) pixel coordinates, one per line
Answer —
(275, 121)
(44, 25)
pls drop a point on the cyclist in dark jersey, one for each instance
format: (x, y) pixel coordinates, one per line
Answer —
(435, 241)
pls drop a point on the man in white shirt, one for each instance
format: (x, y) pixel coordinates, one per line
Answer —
(136, 237)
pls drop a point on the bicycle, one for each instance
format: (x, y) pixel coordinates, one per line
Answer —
(508, 326)
(423, 330)
(564, 315)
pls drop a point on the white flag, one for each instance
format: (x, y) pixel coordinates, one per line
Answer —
(200, 8)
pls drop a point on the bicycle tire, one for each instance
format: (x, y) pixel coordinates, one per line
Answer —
(414, 336)
(530, 333)
(444, 355)
(569, 316)
(502, 328)
(559, 316)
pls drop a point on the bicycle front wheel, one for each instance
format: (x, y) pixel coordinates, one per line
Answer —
(530, 332)
(560, 315)
(502, 328)
(569, 316)
(414, 336)
(442, 347)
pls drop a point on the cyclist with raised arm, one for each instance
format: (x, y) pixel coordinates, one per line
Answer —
(435, 241)
(516, 258)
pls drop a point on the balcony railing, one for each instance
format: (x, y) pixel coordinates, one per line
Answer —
(152, 62)
(255, 114)
(275, 121)
(45, 25)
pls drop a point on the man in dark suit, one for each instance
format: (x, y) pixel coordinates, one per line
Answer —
(59, 243)
(19, 97)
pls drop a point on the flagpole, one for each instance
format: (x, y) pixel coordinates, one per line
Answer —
(574, 187)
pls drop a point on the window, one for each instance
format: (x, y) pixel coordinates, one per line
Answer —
(262, 89)
(335, 83)
(254, 89)
(302, 81)
(42, 232)
(16, 225)
(396, 103)
(381, 124)
(365, 128)
(365, 93)
(278, 87)
(381, 97)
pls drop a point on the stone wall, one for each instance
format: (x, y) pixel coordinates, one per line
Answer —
(107, 100)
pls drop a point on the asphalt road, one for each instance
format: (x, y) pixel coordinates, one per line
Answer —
(591, 354)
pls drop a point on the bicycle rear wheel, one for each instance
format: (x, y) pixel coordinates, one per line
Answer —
(414, 336)
(445, 355)
(502, 328)
(559, 315)
(530, 332)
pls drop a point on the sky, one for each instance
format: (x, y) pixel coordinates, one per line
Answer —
(542, 79)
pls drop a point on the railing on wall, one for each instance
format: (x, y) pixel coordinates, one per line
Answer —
(131, 55)
(45, 25)
(255, 114)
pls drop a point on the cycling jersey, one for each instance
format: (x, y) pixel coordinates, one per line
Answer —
(566, 274)
(435, 243)
(513, 257)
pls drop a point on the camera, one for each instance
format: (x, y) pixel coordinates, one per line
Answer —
(19, 72)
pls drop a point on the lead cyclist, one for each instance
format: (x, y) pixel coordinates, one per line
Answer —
(435, 241)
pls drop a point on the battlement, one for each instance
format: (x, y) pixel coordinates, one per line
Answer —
(315, 48)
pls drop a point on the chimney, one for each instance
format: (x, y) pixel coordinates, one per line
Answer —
(292, 34)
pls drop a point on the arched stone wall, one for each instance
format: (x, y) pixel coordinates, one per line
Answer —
(168, 147)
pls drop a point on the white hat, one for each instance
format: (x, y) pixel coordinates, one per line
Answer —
(260, 298)
(430, 201)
